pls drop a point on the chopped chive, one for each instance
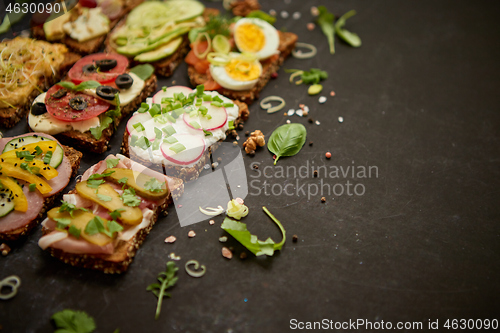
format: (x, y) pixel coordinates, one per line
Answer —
(144, 107)
(193, 114)
(199, 90)
(179, 111)
(218, 99)
(143, 143)
(139, 127)
(170, 140)
(47, 157)
(133, 140)
(217, 104)
(32, 187)
(158, 133)
(207, 98)
(164, 89)
(169, 130)
(194, 124)
(170, 118)
(177, 148)
(38, 150)
(154, 110)
(228, 105)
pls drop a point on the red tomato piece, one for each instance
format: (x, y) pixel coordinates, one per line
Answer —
(202, 66)
(60, 108)
(192, 59)
(77, 75)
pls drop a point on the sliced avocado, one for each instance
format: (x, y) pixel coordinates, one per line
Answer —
(79, 220)
(53, 27)
(161, 52)
(129, 215)
(135, 49)
(137, 181)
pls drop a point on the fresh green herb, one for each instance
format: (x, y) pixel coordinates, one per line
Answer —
(112, 162)
(228, 105)
(155, 109)
(144, 107)
(216, 25)
(199, 90)
(156, 145)
(170, 118)
(104, 122)
(38, 150)
(47, 157)
(123, 180)
(313, 76)
(133, 140)
(116, 112)
(170, 140)
(103, 197)
(129, 198)
(158, 134)
(164, 89)
(94, 226)
(70, 321)
(32, 187)
(207, 133)
(153, 185)
(24, 154)
(349, 37)
(194, 124)
(287, 140)
(143, 143)
(207, 98)
(262, 15)
(167, 279)
(216, 104)
(94, 183)
(74, 231)
(144, 71)
(113, 227)
(177, 148)
(138, 127)
(62, 223)
(82, 86)
(326, 22)
(101, 175)
(239, 231)
(231, 125)
(69, 207)
(116, 213)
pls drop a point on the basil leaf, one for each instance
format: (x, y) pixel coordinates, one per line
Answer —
(287, 140)
(325, 21)
(97, 131)
(87, 85)
(349, 37)
(144, 71)
(67, 85)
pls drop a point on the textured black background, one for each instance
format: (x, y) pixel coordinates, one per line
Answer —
(420, 101)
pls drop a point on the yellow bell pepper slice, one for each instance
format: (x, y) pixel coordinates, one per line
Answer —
(20, 201)
(7, 169)
(45, 146)
(45, 169)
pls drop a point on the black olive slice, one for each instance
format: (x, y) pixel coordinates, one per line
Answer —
(78, 103)
(124, 81)
(105, 65)
(59, 94)
(106, 92)
(38, 109)
(89, 69)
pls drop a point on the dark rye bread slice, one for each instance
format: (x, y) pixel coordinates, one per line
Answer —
(74, 157)
(11, 116)
(184, 173)
(166, 66)
(270, 66)
(92, 45)
(124, 253)
(86, 141)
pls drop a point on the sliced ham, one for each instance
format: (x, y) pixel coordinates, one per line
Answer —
(77, 200)
(70, 244)
(15, 220)
(100, 167)
(51, 238)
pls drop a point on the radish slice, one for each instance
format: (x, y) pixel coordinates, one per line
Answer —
(111, 8)
(218, 120)
(195, 146)
(170, 93)
(146, 121)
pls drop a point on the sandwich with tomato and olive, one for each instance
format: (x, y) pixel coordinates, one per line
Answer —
(34, 169)
(103, 221)
(85, 26)
(84, 110)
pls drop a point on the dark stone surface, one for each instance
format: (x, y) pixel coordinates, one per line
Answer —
(420, 103)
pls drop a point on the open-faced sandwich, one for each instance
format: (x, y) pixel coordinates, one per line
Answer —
(103, 221)
(27, 68)
(84, 111)
(237, 59)
(84, 28)
(155, 32)
(34, 169)
(177, 130)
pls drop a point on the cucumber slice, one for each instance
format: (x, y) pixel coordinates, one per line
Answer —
(168, 11)
(6, 203)
(57, 156)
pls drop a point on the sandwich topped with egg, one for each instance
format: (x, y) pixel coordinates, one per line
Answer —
(238, 60)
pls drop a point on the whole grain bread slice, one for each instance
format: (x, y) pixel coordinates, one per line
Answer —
(11, 116)
(270, 66)
(184, 173)
(87, 142)
(74, 157)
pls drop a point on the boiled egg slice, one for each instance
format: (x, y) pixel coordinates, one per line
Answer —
(239, 73)
(256, 36)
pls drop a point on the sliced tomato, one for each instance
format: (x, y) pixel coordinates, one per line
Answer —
(202, 66)
(60, 108)
(77, 75)
(211, 85)
(192, 59)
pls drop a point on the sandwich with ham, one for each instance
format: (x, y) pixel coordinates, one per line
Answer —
(34, 169)
(102, 222)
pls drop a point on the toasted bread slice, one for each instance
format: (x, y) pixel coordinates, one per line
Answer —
(270, 66)
(184, 173)
(87, 142)
(74, 157)
(93, 45)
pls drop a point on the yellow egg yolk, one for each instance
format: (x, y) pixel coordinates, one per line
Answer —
(250, 37)
(242, 70)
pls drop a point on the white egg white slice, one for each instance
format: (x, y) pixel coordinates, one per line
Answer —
(271, 35)
(220, 76)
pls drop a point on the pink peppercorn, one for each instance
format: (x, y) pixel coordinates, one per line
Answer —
(274, 75)
(328, 154)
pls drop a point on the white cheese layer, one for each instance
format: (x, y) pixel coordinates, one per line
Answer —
(156, 156)
(126, 95)
(45, 123)
(92, 23)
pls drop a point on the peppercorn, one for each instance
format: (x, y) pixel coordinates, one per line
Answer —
(243, 255)
(310, 143)
(323, 199)
(295, 238)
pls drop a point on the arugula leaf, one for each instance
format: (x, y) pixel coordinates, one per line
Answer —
(129, 198)
(103, 197)
(313, 76)
(70, 321)
(70, 208)
(167, 280)
(287, 140)
(112, 162)
(144, 71)
(326, 22)
(105, 121)
(239, 231)
(82, 86)
(153, 185)
(349, 37)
